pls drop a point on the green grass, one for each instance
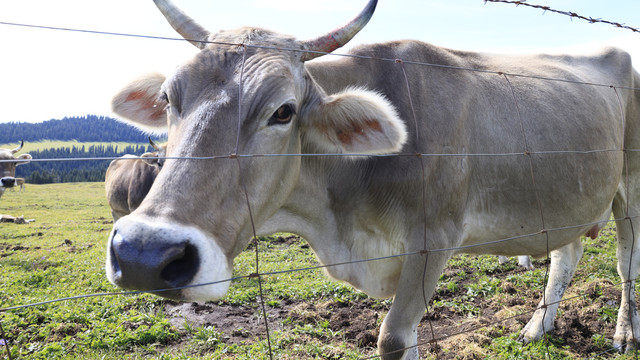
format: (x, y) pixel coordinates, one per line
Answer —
(54, 144)
(62, 254)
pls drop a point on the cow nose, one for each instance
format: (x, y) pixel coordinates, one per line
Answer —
(153, 265)
(8, 181)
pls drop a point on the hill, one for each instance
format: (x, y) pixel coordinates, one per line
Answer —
(74, 137)
(82, 129)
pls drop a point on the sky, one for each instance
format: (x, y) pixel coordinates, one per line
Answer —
(51, 74)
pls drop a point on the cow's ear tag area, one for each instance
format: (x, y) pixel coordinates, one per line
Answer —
(138, 103)
(357, 121)
(150, 158)
(23, 157)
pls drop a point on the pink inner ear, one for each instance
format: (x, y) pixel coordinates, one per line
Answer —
(346, 134)
(136, 95)
(146, 103)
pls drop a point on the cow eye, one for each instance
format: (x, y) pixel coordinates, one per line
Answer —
(163, 97)
(283, 115)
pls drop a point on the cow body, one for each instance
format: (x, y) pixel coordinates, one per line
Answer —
(492, 163)
(8, 169)
(128, 180)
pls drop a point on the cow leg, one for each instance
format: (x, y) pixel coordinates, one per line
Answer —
(563, 265)
(627, 329)
(525, 262)
(399, 331)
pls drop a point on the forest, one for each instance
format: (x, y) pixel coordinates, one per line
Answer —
(82, 128)
(88, 128)
(47, 172)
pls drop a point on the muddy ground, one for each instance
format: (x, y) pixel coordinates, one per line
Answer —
(458, 335)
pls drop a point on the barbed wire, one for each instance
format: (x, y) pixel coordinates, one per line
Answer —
(571, 14)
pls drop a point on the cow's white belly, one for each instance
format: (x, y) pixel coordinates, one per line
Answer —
(487, 234)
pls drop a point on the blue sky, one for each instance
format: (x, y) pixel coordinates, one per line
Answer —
(48, 74)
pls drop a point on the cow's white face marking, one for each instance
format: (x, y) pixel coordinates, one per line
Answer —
(214, 267)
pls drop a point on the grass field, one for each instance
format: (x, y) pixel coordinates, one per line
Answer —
(54, 144)
(62, 254)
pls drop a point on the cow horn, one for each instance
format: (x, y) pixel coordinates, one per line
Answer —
(338, 37)
(153, 144)
(183, 24)
(18, 148)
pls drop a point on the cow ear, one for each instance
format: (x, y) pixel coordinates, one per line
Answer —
(23, 157)
(356, 121)
(140, 104)
(150, 158)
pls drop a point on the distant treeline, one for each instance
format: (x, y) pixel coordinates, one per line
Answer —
(88, 128)
(47, 172)
(83, 129)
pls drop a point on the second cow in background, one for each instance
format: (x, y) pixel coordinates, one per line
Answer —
(129, 178)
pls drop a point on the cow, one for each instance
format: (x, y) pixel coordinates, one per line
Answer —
(377, 155)
(19, 183)
(129, 178)
(8, 169)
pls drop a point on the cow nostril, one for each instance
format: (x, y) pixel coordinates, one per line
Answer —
(183, 268)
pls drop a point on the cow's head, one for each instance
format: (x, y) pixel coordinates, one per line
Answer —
(8, 169)
(241, 94)
(155, 158)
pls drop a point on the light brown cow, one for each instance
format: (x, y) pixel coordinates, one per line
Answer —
(243, 95)
(8, 163)
(19, 183)
(128, 180)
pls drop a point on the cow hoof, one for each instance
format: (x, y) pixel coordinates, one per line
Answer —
(626, 347)
(525, 338)
(625, 344)
(391, 347)
(535, 329)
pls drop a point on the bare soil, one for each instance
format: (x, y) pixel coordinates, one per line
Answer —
(456, 334)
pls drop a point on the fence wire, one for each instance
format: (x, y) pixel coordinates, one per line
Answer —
(527, 153)
(570, 14)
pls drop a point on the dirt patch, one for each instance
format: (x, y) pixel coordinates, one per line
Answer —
(449, 332)
(244, 324)
(237, 323)
(70, 247)
(10, 249)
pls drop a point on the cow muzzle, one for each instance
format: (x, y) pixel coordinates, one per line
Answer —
(7, 181)
(171, 260)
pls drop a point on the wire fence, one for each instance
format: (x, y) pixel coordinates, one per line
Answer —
(527, 155)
